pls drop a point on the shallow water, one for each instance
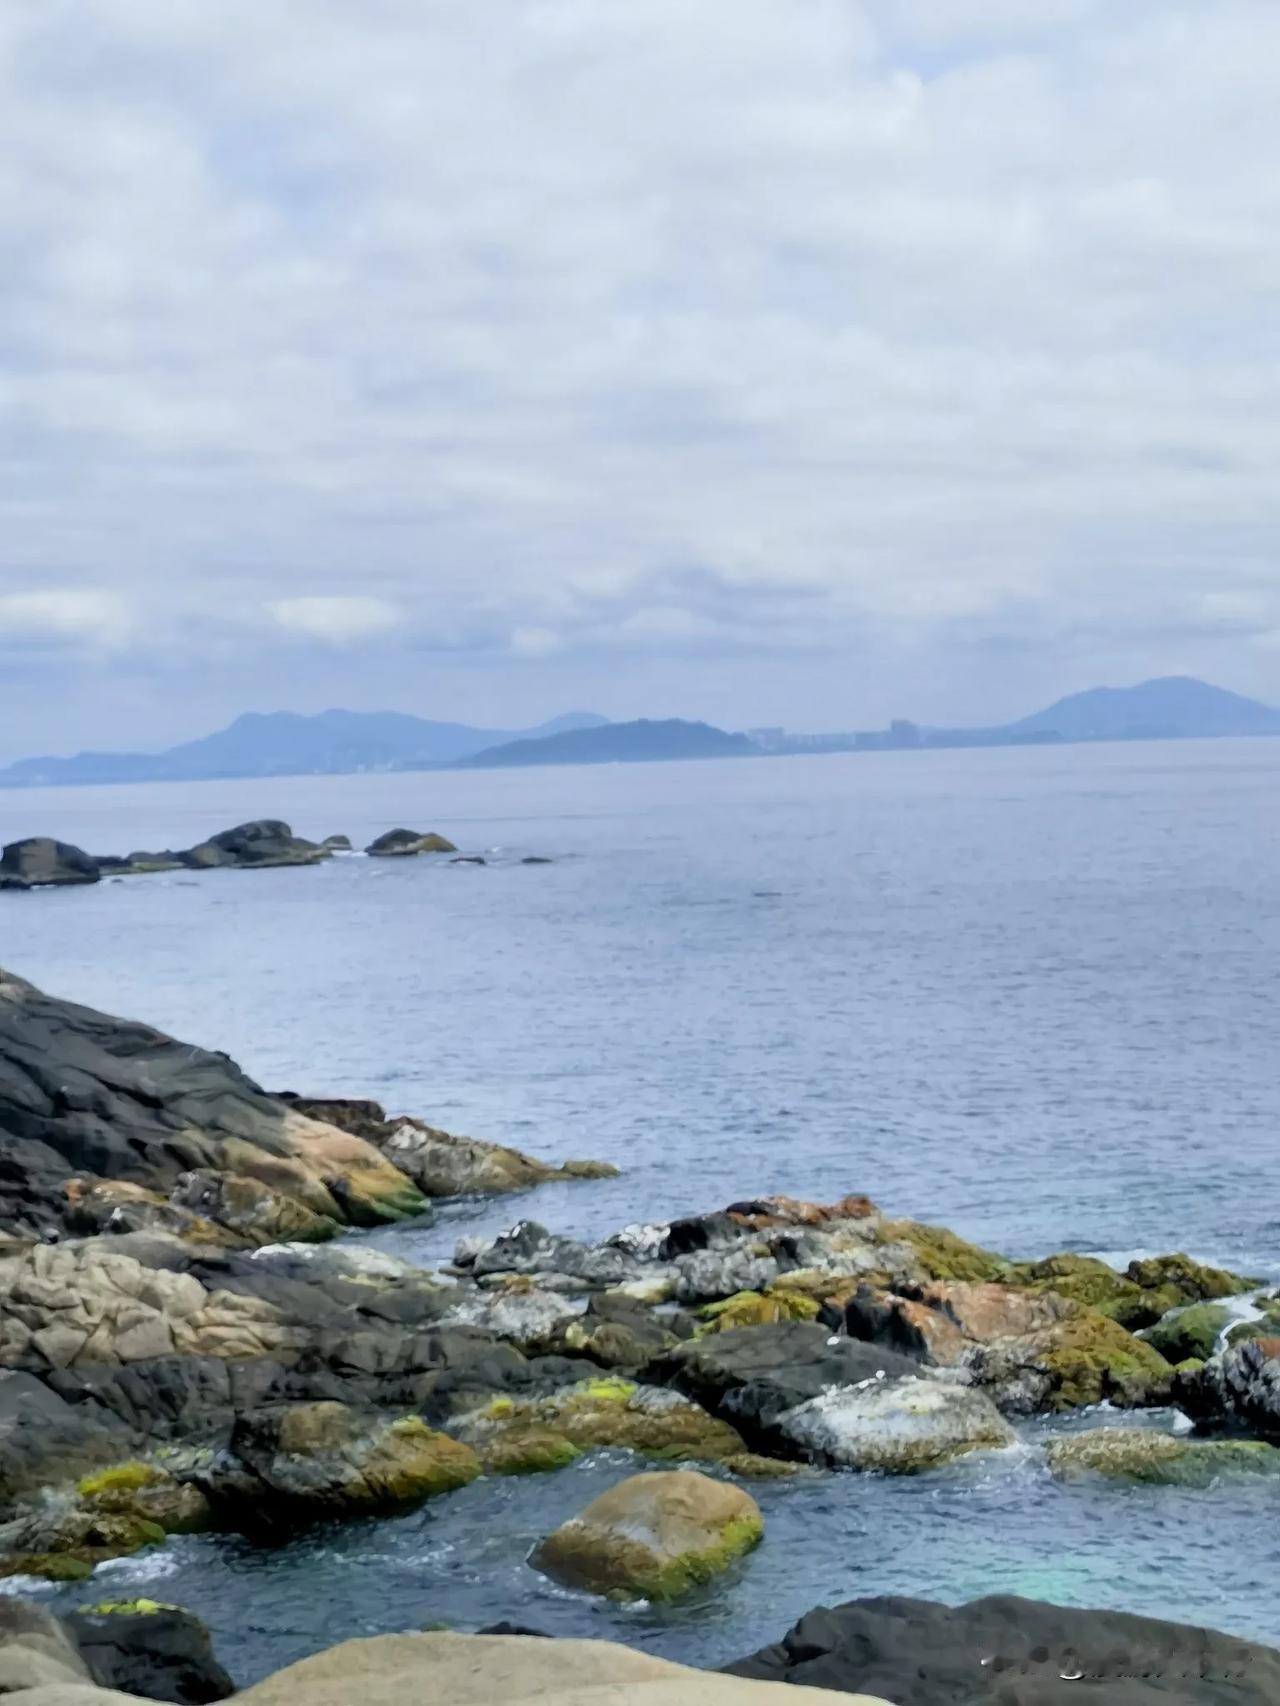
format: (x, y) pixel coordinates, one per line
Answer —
(1032, 994)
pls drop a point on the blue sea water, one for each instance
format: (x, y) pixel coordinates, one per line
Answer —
(1029, 993)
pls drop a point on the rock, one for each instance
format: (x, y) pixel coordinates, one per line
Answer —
(536, 859)
(45, 1441)
(940, 1254)
(1140, 1296)
(337, 843)
(1084, 1358)
(1239, 1389)
(530, 1249)
(325, 1460)
(753, 1376)
(441, 1165)
(407, 843)
(149, 1651)
(40, 862)
(447, 1669)
(653, 1537)
(1004, 1651)
(1190, 1332)
(35, 1650)
(1141, 1454)
(83, 1094)
(755, 1309)
(469, 859)
(605, 1414)
(253, 846)
(897, 1427)
(1266, 1325)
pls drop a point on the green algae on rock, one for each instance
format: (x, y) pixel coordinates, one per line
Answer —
(941, 1253)
(1189, 1333)
(653, 1537)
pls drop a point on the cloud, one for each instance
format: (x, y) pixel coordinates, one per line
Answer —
(64, 616)
(337, 620)
(917, 325)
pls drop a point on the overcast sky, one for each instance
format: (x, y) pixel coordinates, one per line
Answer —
(804, 361)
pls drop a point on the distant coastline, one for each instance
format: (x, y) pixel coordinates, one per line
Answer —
(344, 743)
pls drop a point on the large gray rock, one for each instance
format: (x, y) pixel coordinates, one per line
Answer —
(407, 843)
(40, 862)
(1239, 1389)
(1014, 1652)
(83, 1093)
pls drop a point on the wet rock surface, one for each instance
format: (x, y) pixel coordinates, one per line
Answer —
(1014, 1652)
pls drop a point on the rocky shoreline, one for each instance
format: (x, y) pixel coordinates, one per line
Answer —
(40, 862)
(186, 1345)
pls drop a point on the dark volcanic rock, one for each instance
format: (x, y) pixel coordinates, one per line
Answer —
(84, 1093)
(405, 843)
(41, 862)
(1014, 1652)
(157, 1652)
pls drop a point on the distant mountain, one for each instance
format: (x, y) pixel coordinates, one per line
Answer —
(282, 743)
(1170, 708)
(621, 743)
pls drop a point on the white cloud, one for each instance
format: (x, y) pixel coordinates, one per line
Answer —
(64, 616)
(921, 319)
(338, 620)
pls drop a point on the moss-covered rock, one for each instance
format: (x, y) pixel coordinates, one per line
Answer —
(1194, 1282)
(941, 1254)
(1089, 1281)
(332, 1461)
(1264, 1326)
(653, 1537)
(755, 1309)
(528, 1451)
(1090, 1357)
(1140, 1454)
(605, 1414)
(119, 1478)
(1190, 1332)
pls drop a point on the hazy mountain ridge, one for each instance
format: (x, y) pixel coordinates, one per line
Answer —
(621, 743)
(286, 743)
(336, 743)
(1168, 708)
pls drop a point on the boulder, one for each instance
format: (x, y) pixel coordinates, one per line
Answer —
(446, 1669)
(253, 846)
(653, 1537)
(337, 843)
(604, 1414)
(1083, 1358)
(1166, 1460)
(1190, 1332)
(149, 1651)
(40, 862)
(407, 843)
(1140, 1296)
(36, 1651)
(896, 1427)
(1239, 1390)
(1005, 1651)
(326, 1460)
(753, 1376)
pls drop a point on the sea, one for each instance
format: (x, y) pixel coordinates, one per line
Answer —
(1030, 993)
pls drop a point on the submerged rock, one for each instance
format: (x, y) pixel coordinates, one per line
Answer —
(653, 1537)
(1141, 1454)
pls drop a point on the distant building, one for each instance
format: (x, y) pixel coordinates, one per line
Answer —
(772, 740)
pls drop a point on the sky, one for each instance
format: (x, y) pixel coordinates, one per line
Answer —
(770, 361)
